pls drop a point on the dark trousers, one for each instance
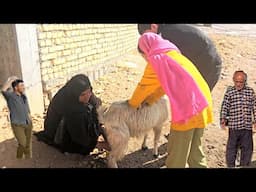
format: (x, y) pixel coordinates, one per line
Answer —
(239, 139)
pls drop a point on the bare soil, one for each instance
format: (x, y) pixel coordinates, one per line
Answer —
(237, 53)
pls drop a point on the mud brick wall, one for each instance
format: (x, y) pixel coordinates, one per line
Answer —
(68, 49)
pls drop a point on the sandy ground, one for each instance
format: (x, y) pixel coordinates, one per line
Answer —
(237, 53)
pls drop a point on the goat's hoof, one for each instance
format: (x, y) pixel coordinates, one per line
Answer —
(156, 156)
(144, 148)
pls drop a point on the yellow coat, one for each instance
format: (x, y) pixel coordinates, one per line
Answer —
(149, 90)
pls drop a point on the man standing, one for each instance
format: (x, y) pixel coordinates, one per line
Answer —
(238, 107)
(21, 122)
(193, 44)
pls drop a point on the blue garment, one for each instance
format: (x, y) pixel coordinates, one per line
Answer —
(18, 107)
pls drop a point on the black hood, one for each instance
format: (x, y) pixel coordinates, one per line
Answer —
(73, 89)
(76, 85)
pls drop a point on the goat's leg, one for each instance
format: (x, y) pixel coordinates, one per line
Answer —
(157, 133)
(118, 139)
(104, 135)
(144, 144)
(112, 163)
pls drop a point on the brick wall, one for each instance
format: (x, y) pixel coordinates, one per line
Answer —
(67, 49)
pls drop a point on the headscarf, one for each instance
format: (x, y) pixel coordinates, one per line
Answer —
(73, 89)
(186, 99)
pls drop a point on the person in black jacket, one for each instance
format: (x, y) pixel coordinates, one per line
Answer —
(193, 44)
(71, 122)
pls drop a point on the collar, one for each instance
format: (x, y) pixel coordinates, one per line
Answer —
(240, 89)
(17, 94)
(21, 95)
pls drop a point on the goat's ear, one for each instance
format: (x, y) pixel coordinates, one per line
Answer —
(105, 109)
(102, 109)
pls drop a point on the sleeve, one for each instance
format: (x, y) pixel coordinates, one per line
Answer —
(6, 94)
(27, 103)
(155, 96)
(254, 106)
(148, 85)
(29, 111)
(225, 106)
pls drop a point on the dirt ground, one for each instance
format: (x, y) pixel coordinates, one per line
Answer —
(237, 53)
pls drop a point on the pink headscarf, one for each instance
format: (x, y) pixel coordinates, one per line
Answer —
(186, 98)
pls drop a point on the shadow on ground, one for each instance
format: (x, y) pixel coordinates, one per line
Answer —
(45, 156)
(144, 159)
(253, 164)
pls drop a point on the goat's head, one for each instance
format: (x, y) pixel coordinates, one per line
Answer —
(101, 110)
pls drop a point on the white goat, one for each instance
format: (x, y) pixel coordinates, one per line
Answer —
(122, 122)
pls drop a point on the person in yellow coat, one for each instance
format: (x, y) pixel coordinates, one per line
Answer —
(169, 72)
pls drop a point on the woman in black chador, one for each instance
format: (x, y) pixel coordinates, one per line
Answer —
(71, 122)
